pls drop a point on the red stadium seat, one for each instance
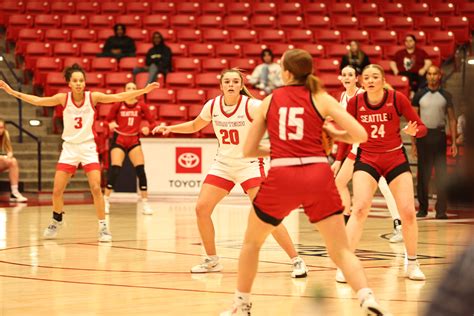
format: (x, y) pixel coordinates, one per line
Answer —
(209, 21)
(391, 9)
(165, 8)
(289, 8)
(138, 8)
(186, 64)
(43, 66)
(344, 22)
(236, 22)
(87, 8)
(66, 49)
(129, 20)
(271, 36)
(128, 63)
(299, 36)
(40, 7)
(385, 64)
(178, 49)
(99, 22)
(252, 50)
(314, 8)
(117, 80)
(162, 96)
(208, 132)
(138, 34)
(417, 9)
(428, 23)
(327, 36)
(239, 8)
(214, 64)
(201, 50)
(419, 35)
(445, 41)
(459, 26)
(279, 49)
(71, 21)
(366, 9)
(81, 36)
(467, 9)
(16, 22)
(215, 8)
(168, 112)
(399, 83)
(190, 96)
(91, 49)
(143, 48)
(112, 8)
(194, 110)
(141, 79)
(290, 22)
(261, 21)
(180, 80)
(104, 34)
(188, 36)
(383, 37)
(83, 62)
(246, 64)
(371, 23)
(268, 8)
(335, 50)
(443, 9)
(104, 64)
(361, 36)
(207, 80)
(56, 35)
(330, 81)
(155, 21)
(390, 51)
(373, 51)
(215, 36)
(35, 50)
(62, 7)
(95, 79)
(182, 21)
(228, 50)
(188, 8)
(326, 65)
(315, 22)
(26, 36)
(398, 23)
(243, 36)
(54, 81)
(47, 21)
(434, 54)
(314, 50)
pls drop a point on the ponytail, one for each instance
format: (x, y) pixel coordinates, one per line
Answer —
(313, 84)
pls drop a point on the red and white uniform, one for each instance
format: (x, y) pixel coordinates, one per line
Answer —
(384, 150)
(129, 118)
(231, 125)
(299, 173)
(79, 146)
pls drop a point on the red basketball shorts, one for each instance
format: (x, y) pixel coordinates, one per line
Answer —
(286, 188)
(127, 143)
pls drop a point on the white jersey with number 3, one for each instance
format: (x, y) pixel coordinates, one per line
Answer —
(78, 119)
(231, 125)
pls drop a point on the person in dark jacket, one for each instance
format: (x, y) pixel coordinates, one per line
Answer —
(355, 57)
(119, 45)
(158, 59)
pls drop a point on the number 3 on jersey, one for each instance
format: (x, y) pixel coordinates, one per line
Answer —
(288, 118)
(78, 122)
(380, 130)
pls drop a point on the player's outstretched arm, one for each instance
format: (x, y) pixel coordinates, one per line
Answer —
(57, 99)
(99, 97)
(184, 128)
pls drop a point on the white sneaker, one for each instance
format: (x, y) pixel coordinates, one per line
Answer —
(413, 271)
(238, 310)
(209, 265)
(299, 268)
(106, 205)
(340, 276)
(397, 235)
(104, 234)
(371, 307)
(147, 210)
(52, 230)
(17, 197)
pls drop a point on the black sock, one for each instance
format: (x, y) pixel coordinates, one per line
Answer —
(346, 218)
(58, 216)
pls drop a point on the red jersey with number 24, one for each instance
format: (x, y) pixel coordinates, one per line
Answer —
(294, 125)
(382, 121)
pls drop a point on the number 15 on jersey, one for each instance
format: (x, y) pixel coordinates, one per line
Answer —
(289, 118)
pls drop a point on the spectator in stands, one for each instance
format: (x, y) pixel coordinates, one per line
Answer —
(8, 162)
(119, 45)
(434, 103)
(411, 62)
(266, 76)
(158, 59)
(355, 57)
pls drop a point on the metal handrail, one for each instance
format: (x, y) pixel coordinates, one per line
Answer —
(38, 142)
(19, 87)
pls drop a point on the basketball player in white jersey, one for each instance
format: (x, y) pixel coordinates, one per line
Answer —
(231, 115)
(79, 146)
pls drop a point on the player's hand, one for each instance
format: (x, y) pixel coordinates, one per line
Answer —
(335, 167)
(333, 132)
(145, 130)
(411, 128)
(4, 86)
(454, 150)
(165, 130)
(151, 86)
(113, 125)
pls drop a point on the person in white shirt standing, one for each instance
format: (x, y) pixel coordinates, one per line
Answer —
(266, 76)
(231, 115)
(79, 145)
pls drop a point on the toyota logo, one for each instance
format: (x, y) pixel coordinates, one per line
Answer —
(188, 160)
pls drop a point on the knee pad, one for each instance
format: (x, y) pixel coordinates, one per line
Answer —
(142, 183)
(112, 176)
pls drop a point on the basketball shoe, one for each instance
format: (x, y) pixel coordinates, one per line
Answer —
(397, 233)
(209, 265)
(238, 310)
(372, 308)
(104, 234)
(52, 230)
(299, 268)
(413, 271)
(340, 276)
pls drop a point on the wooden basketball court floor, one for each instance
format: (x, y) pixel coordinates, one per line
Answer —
(145, 270)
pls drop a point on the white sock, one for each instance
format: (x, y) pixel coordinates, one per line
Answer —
(214, 258)
(106, 198)
(14, 188)
(387, 194)
(102, 223)
(241, 298)
(295, 258)
(363, 293)
(145, 200)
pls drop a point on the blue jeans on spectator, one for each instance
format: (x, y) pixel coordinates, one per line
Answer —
(152, 70)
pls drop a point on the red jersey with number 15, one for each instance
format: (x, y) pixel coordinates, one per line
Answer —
(129, 117)
(382, 121)
(294, 125)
